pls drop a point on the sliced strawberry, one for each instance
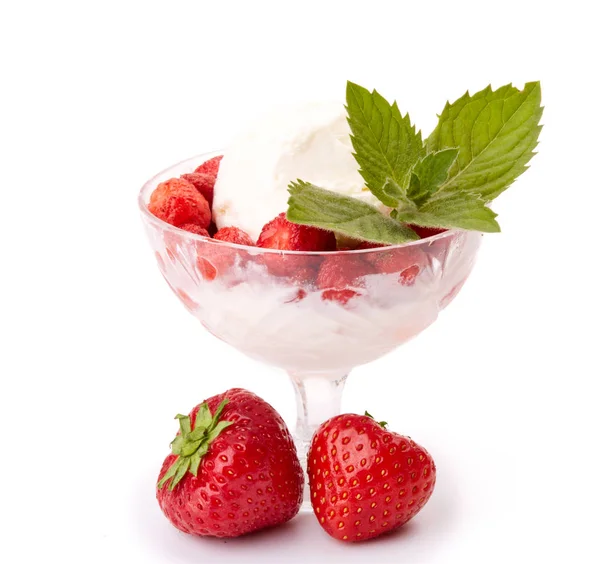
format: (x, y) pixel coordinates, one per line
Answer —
(210, 167)
(284, 235)
(215, 260)
(177, 202)
(406, 261)
(303, 276)
(341, 296)
(234, 235)
(341, 271)
(204, 183)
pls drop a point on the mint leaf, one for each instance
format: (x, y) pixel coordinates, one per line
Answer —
(429, 173)
(311, 205)
(385, 143)
(495, 132)
(396, 193)
(452, 210)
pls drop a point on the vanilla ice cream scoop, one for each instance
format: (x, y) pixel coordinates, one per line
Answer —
(310, 142)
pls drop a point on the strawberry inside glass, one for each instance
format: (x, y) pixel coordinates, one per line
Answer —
(315, 313)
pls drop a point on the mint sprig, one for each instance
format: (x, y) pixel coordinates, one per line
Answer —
(310, 205)
(495, 133)
(386, 144)
(481, 144)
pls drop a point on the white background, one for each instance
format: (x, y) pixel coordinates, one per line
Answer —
(97, 355)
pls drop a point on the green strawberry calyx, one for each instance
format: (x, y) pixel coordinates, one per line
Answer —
(190, 445)
(382, 423)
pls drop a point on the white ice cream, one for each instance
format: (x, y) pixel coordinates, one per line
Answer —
(310, 142)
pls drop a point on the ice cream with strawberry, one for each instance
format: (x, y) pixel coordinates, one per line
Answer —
(349, 181)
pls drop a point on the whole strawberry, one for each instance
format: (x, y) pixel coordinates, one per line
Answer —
(233, 469)
(365, 480)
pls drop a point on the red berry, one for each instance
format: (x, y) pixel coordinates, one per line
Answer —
(305, 275)
(204, 183)
(341, 296)
(425, 232)
(215, 260)
(248, 475)
(284, 235)
(234, 235)
(192, 228)
(365, 480)
(340, 271)
(368, 245)
(406, 261)
(210, 167)
(177, 202)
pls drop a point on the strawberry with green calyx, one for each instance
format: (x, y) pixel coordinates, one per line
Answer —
(233, 468)
(365, 480)
(190, 446)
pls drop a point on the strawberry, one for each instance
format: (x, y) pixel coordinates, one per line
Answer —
(425, 232)
(234, 235)
(233, 468)
(204, 183)
(210, 167)
(365, 480)
(406, 261)
(369, 245)
(341, 296)
(215, 260)
(193, 228)
(177, 202)
(340, 271)
(284, 235)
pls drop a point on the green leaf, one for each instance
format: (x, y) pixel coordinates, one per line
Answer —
(184, 423)
(429, 173)
(195, 462)
(183, 467)
(197, 433)
(190, 447)
(311, 205)
(219, 427)
(452, 210)
(169, 473)
(217, 414)
(393, 190)
(177, 444)
(495, 132)
(382, 423)
(203, 416)
(385, 143)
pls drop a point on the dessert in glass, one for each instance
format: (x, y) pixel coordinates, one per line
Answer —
(326, 236)
(314, 314)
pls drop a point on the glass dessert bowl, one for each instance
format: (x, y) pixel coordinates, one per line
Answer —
(316, 315)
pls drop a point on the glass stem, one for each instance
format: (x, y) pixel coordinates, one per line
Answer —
(318, 398)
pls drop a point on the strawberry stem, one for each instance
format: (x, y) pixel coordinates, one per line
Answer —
(382, 423)
(190, 445)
